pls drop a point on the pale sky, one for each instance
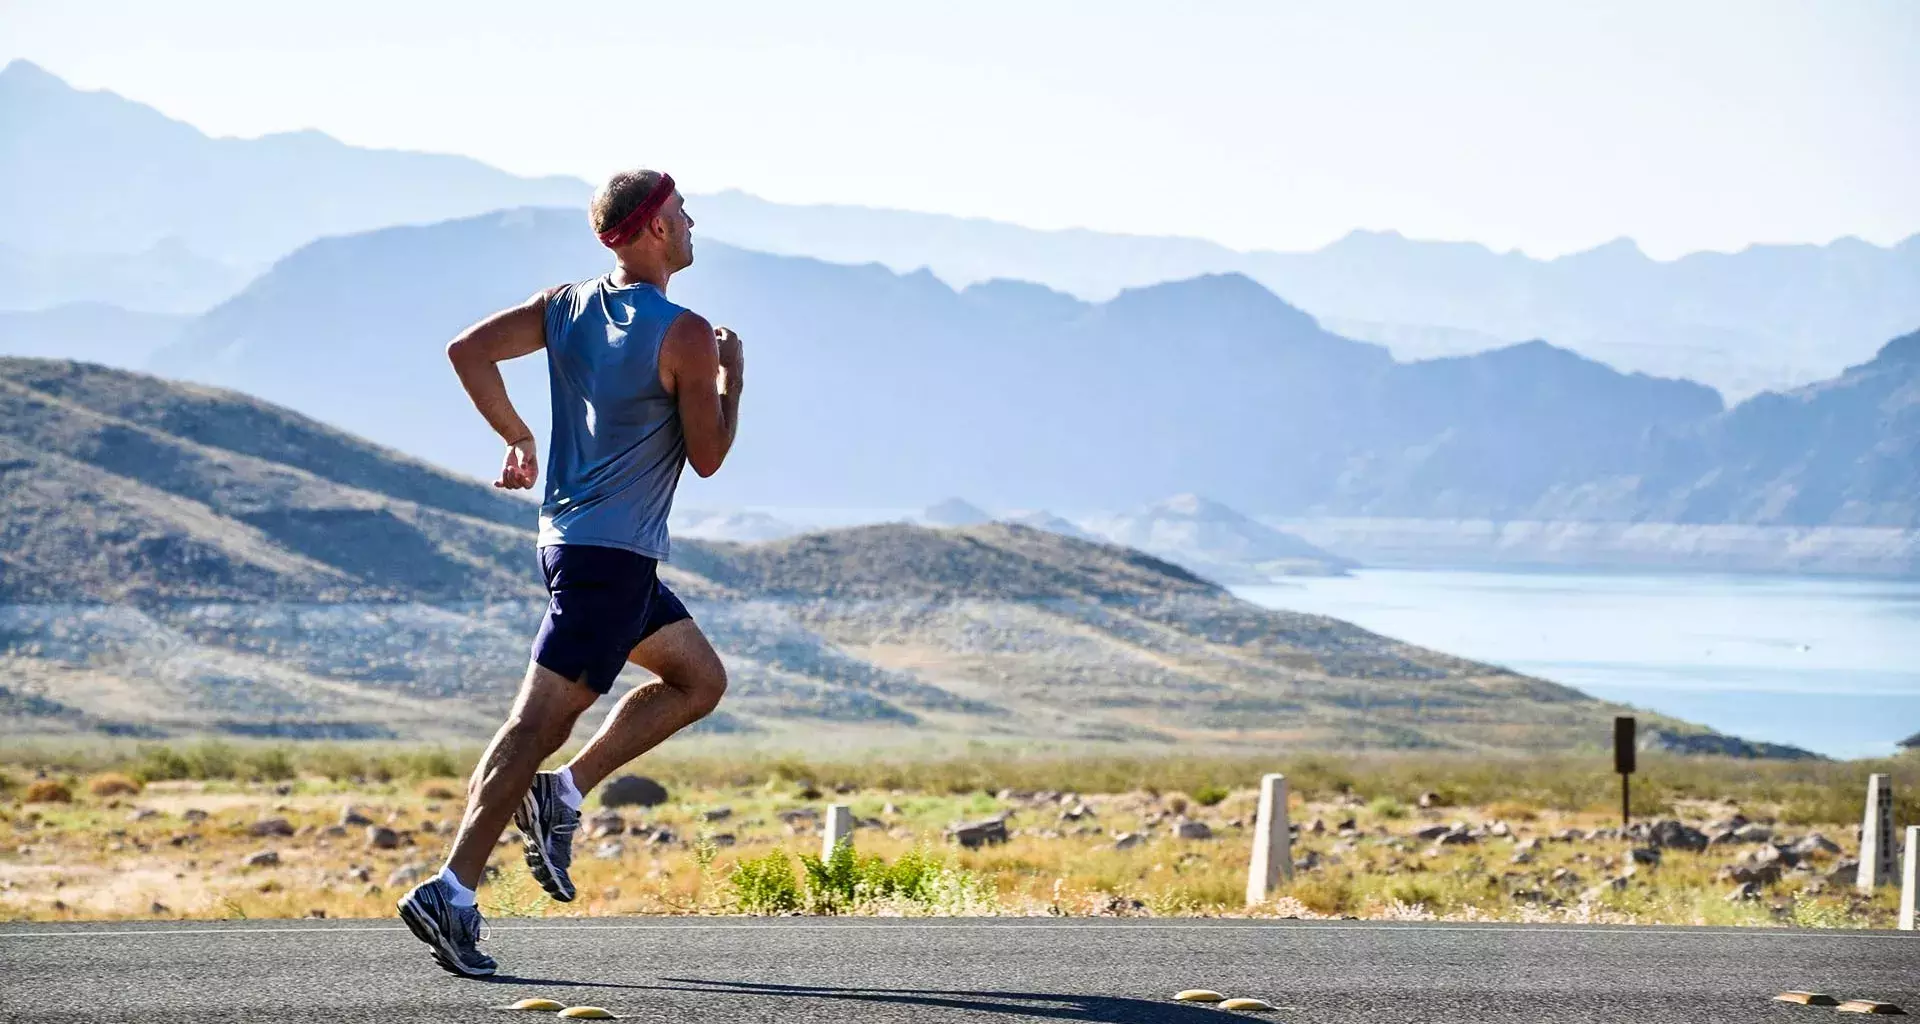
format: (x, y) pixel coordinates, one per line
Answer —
(1545, 126)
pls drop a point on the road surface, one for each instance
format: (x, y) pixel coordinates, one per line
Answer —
(806, 970)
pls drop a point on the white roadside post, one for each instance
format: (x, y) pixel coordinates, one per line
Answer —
(1272, 845)
(839, 829)
(1876, 835)
(1910, 880)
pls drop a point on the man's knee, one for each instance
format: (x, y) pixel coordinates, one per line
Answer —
(703, 685)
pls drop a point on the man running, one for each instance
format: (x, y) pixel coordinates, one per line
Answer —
(640, 387)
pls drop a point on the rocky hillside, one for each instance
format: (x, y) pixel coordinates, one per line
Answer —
(177, 559)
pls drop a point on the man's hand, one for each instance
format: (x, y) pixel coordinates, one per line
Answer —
(522, 467)
(733, 361)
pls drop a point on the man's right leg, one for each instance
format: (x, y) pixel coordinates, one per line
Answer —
(441, 911)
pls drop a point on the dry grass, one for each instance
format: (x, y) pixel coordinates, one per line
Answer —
(112, 784)
(111, 857)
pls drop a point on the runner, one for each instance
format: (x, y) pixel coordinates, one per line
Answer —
(640, 387)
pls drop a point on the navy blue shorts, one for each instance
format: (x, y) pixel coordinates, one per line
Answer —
(601, 602)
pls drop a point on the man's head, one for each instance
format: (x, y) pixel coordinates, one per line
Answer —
(641, 212)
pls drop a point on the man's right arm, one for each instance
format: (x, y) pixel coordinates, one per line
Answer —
(476, 356)
(705, 370)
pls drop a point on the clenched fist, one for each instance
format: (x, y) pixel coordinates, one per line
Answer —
(521, 468)
(733, 360)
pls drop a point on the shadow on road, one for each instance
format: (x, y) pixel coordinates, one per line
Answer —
(1055, 1005)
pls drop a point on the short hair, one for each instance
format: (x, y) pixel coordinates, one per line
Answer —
(619, 197)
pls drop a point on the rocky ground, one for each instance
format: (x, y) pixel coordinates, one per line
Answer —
(309, 847)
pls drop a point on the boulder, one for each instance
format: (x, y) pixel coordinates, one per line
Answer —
(1193, 830)
(636, 791)
(1673, 835)
(973, 835)
(1812, 844)
(409, 874)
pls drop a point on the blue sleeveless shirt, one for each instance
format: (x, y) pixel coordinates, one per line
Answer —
(615, 454)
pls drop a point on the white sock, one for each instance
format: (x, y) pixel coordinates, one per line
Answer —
(569, 793)
(462, 896)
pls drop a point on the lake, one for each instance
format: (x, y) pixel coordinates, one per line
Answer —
(1831, 665)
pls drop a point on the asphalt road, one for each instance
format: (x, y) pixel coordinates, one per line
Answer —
(800, 971)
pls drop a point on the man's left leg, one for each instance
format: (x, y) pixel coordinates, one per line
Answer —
(691, 680)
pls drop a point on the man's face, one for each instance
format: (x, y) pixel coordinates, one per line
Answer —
(679, 231)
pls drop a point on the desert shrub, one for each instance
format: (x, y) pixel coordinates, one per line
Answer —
(765, 884)
(112, 784)
(1387, 807)
(1509, 810)
(275, 764)
(1209, 795)
(48, 791)
(1324, 894)
(1416, 892)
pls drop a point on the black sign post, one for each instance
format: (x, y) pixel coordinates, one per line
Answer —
(1623, 762)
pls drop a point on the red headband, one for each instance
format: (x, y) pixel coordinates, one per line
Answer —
(633, 223)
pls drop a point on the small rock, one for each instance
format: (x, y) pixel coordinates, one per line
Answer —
(317, 913)
(1846, 871)
(380, 837)
(263, 859)
(606, 823)
(1458, 837)
(142, 814)
(1430, 800)
(639, 791)
(158, 908)
(1128, 840)
(1753, 832)
(351, 816)
(334, 832)
(1645, 855)
(891, 810)
(270, 827)
(609, 850)
(1745, 891)
(360, 874)
(662, 837)
(1307, 862)
(408, 874)
(1432, 832)
(1522, 857)
(193, 815)
(717, 814)
(429, 826)
(1193, 830)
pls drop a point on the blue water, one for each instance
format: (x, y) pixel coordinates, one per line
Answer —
(1829, 665)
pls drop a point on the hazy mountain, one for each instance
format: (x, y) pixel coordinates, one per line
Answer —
(165, 278)
(1770, 316)
(887, 390)
(90, 332)
(1041, 519)
(92, 172)
(746, 527)
(180, 560)
(954, 512)
(1218, 542)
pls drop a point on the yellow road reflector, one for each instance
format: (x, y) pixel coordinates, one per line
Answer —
(547, 1005)
(1198, 995)
(1248, 1004)
(587, 1013)
(1806, 998)
(1869, 1006)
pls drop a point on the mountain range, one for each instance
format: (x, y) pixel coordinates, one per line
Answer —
(179, 560)
(891, 390)
(197, 217)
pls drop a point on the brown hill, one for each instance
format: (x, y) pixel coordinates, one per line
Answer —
(178, 560)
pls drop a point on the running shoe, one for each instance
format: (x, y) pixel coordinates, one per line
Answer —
(546, 827)
(452, 933)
